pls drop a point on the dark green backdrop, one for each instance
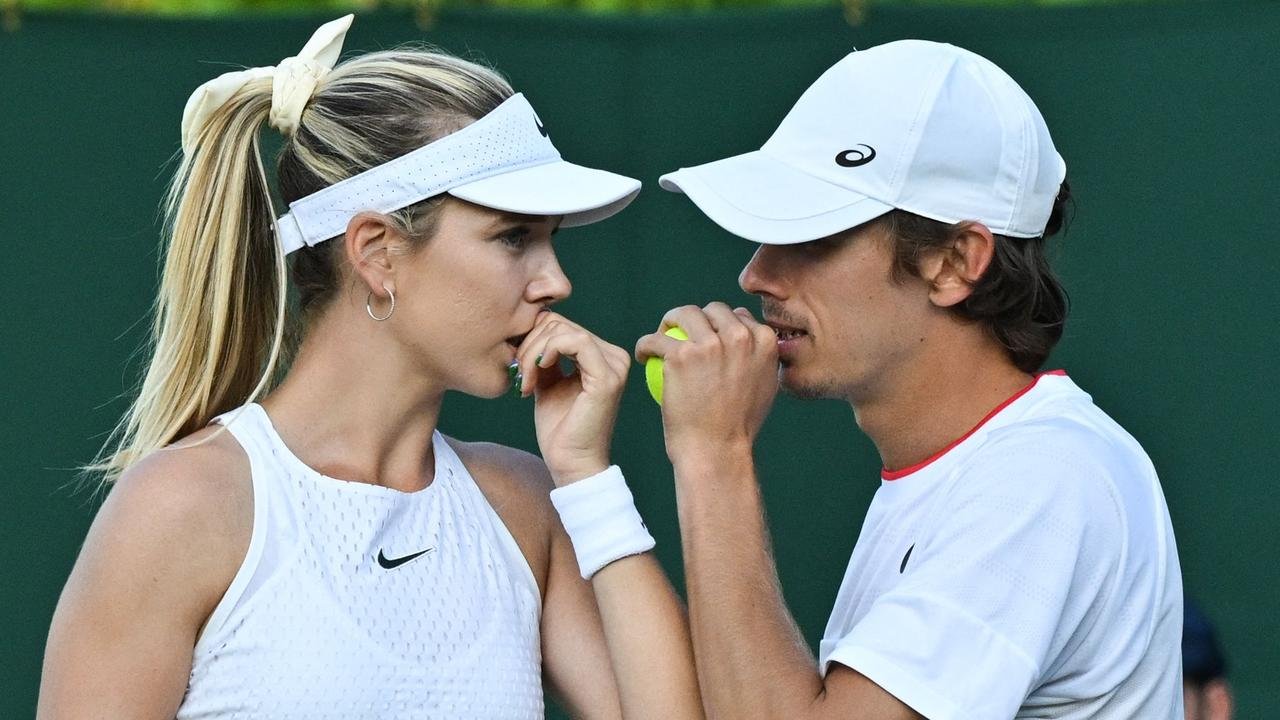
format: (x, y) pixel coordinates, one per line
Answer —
(1166, 116)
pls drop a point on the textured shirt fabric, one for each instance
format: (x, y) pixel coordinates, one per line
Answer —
(1028, 572)
(327, 619)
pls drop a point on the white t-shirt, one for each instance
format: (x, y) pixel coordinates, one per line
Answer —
(1028, 571)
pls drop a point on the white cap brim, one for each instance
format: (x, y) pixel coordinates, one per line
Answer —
(582, 195)
(762, 199)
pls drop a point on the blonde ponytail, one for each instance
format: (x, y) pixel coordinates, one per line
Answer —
(219, 316)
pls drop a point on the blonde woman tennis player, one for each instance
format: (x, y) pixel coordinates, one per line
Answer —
(315, 548)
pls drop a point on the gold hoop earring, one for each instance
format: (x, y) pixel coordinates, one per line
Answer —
(368, 306)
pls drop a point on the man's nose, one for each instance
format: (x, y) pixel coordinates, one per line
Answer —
(759, 276)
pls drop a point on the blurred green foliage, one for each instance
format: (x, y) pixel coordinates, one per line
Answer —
(218, 7)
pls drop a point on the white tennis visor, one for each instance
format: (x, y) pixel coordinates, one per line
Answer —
(504, 161)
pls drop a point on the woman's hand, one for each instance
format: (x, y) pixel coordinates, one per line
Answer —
(574, 414)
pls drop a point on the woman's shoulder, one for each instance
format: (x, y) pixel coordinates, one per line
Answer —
(516, 483)
(196, 493)
(203, 475)
(174, 528)
(518, 487)
(522, 471)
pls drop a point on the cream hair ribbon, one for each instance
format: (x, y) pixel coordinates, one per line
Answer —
(292, 83)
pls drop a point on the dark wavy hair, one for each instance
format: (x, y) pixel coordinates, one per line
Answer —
(1018, 299)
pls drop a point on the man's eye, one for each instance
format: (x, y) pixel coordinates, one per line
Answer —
(515, 239)
(821, 246)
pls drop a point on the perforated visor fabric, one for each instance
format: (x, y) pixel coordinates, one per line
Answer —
(504, 160)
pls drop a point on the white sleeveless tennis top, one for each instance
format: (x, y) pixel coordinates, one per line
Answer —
(359, 601)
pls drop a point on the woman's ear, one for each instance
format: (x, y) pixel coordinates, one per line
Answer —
(952, 271)
(369, 245)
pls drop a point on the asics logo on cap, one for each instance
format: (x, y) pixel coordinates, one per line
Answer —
(855, 157)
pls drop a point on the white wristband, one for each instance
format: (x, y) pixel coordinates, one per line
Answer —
(600, 516)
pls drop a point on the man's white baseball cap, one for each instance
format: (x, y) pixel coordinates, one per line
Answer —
(919, 126)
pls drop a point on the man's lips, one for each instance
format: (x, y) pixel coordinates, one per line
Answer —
(785, 332)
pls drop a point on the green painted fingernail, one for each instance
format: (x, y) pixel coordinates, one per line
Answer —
(517, 379)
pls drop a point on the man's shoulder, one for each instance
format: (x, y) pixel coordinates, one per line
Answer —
(1065, 429)
(1074, 462)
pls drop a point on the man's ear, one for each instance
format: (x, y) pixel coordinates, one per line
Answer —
(952, 271)
(369, 245)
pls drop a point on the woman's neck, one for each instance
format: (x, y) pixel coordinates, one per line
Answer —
(352, 408)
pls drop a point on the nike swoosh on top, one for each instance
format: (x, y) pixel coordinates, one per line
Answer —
(391, 563)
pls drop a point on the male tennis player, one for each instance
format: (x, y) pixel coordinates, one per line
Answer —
(1017, 560)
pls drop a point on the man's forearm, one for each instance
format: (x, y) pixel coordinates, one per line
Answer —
(752, 660)
(645, 629)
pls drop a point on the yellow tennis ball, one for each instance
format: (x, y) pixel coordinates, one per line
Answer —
(653, 367)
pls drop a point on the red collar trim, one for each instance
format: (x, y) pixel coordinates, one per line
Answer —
(888, 474)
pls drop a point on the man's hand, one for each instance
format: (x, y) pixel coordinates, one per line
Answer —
(719, 384)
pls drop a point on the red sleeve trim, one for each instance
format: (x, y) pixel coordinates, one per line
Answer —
(888, 474)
